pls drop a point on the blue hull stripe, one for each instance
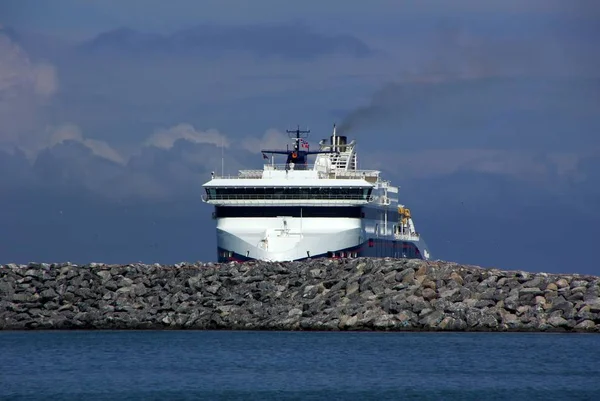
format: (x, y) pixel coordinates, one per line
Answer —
(374, 247)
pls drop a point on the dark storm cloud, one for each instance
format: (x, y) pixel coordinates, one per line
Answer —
(151, 174)
(293, 41)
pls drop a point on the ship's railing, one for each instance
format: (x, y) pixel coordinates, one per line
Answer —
(354, 173)
(250, 173)
(243, 174)
(320, 168)
(322, 171)
(407, 236)
(287, 197)
(290, 167)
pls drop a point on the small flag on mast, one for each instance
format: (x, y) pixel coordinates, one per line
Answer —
(265, 156)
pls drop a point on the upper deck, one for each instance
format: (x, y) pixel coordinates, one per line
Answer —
(332, 179)
(293, 173)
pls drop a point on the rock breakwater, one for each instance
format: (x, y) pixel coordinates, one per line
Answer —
(321, 294)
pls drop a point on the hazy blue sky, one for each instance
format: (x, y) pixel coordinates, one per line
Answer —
(485, 113)
(88, 17)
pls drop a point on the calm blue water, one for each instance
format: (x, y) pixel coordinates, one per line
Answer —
(186, 365)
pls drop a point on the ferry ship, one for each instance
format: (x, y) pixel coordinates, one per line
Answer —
(296, 210)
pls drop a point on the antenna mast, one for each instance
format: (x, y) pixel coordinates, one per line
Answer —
(297, 138)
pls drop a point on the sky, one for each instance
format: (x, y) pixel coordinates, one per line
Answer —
(114, 113)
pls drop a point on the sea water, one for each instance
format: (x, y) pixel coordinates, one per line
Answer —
(230, 365)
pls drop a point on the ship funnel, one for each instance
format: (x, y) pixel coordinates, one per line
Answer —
(337, 140)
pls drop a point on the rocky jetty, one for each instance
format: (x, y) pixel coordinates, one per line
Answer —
(320, 294)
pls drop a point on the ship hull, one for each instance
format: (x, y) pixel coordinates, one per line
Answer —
(285, 238)
(383, 249)
(288, 238)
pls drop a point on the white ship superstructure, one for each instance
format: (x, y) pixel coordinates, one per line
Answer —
(296, 210)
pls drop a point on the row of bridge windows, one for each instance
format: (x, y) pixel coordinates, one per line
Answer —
(288, 193)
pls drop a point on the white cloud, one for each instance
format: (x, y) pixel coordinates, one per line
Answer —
(165, 138)
(24, 88)
(271, 139)
(71, 132)
(46, 83)
(18, 74)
